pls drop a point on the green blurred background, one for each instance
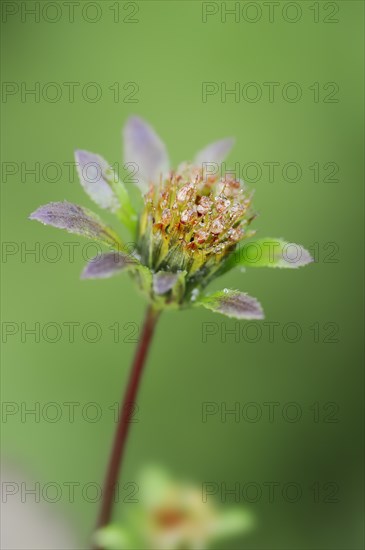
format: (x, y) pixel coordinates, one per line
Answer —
(168, 53)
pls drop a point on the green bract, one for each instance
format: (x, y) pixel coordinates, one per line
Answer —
(194, 225)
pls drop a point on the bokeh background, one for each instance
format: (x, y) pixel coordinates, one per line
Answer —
(167, 53)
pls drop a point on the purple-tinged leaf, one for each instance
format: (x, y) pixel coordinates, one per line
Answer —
(113, 263)
(215, 152)
(76, 219)
(163, 281)
(97, 177)
(104, 187)
(108, 264)
(233, 304)
(143, 148)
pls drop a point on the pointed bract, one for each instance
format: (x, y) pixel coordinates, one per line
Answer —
(108, 264)
(96, 177)
(163, 281)
(76, 219)
(104, 187)
(233, 304)
(144, 148)
(215, 152)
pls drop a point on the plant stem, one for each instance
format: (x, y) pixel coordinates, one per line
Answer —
(121, 434)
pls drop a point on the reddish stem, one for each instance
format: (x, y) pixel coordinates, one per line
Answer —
(121, 434)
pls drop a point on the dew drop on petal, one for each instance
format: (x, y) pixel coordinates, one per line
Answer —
(166, 216)
(217, 227)
(184, 193)
(222, 205)
(201, 236)
(204, 205)
(235, 234)
(187, 215)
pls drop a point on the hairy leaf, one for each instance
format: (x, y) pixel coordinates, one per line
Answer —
(143, 147)
(269, 252)
(108, 264)
(163, 281)
(103, 186)
(215, 152)
(76, 219)
(233, 304)
(96, 177)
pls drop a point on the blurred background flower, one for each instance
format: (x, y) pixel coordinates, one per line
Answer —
(173, 515)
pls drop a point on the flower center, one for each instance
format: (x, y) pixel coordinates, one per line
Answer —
(167, 518)
(191, 218)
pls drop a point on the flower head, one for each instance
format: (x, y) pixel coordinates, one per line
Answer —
(193, 227)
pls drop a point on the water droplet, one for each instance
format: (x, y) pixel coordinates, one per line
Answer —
(194, 294)
(201, 236)
(217, 227)
(184, 193)
(187, 216)
(166, 216)
(204, 205)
